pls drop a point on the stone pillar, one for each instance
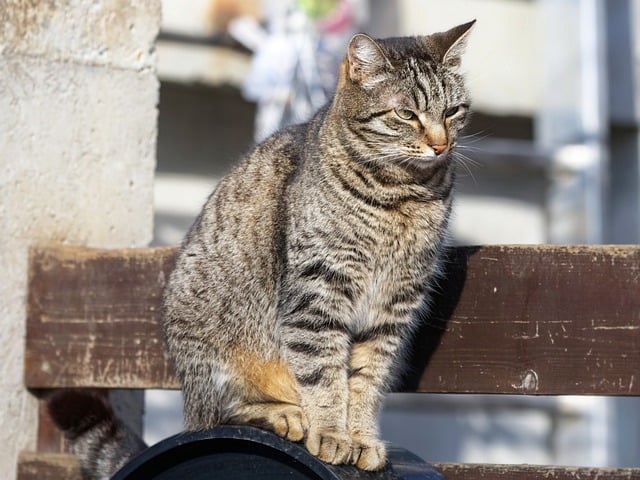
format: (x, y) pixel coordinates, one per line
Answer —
(78, 109)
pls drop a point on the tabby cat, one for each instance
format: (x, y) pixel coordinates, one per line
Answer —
(297, 288)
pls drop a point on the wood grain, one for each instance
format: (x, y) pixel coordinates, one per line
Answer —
(534, 320)
(508, 319)
(467, 471)
(93, 318)
(50, 466)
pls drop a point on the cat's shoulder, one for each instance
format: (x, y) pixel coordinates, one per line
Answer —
(278, 155)
(287, 141)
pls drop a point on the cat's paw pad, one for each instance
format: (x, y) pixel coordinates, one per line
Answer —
(368, 453)
(329, 446)
(290, 422)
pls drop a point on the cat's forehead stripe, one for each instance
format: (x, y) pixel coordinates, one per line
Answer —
(419, 90)
(423, 91)
(429, 87)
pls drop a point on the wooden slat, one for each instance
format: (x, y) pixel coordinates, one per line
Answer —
(48, 466)
(467, 471)
(534, 320)
(93, 318)
(50, 438)
(510, 319)
(51, 466)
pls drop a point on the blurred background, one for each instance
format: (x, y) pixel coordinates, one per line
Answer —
(552, 157)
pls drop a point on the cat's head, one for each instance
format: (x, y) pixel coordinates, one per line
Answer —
(403, 98)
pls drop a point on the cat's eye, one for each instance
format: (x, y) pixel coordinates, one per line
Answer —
(450, 112)
(405, 114)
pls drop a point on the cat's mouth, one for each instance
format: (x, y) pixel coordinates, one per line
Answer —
(429, 159)
(425, 156)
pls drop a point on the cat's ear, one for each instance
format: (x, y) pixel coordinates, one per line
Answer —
(450, 45)
(367, 63)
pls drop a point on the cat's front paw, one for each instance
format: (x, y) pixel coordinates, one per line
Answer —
(290, 422)
(329, 446)
(368, 453)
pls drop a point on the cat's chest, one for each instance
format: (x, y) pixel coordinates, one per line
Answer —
(403, 236)
(400, 264)
(397, 244)
(378, 291)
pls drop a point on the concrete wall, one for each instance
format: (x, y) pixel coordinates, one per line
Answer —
(78, 108)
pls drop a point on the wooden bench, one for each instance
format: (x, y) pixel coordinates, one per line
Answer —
(530, 320)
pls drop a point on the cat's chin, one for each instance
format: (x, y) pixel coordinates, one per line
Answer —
(426, 162)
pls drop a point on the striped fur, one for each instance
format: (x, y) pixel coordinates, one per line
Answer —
(297, 287)
(100, 440)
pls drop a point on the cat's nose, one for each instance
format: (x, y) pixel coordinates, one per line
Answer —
(438, 149)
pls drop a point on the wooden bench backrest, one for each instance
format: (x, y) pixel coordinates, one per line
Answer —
(541, 320)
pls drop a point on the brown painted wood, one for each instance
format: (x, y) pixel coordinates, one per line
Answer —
(50, 439)
(93, 318)
(48, 466)
(535, 320)
(51, 466)
(460, 471)
(509, 319)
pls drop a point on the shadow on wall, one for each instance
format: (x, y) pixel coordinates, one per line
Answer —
(202, 130)
(202, 133)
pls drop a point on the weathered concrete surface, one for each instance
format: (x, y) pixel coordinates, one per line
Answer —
(115, 33)
(78, 110)
(78, 151)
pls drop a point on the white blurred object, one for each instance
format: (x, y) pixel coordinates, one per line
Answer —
(572, 122)
(296, 59)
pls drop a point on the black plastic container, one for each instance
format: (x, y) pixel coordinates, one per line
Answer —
(241, 452)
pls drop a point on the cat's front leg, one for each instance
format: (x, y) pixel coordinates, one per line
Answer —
(365, 394)
(317, 348)
(372, 360)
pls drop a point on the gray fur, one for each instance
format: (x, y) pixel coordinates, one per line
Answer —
(296, 289)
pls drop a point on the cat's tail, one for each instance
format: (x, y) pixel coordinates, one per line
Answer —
(98, 438)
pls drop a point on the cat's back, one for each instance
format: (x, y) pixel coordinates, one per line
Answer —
(257, 183)
(234, 244)
(246, 199)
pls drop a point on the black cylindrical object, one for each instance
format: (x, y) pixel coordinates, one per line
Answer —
(242, 452)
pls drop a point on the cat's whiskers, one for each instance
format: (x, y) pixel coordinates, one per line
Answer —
(469, 148)
(378, 159)
(384, 154)
(461, 159)
(474, 137)
(458, 155)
